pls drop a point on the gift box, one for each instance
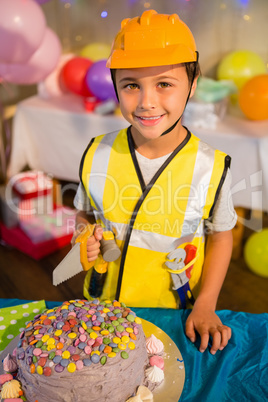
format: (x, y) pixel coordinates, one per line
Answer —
(16, 238)
(59, 223)
(204, 114)
(41, 235)
(30, 193)
(209, 104)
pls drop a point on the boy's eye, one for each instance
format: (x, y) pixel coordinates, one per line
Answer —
(164, 84)
(132, 86)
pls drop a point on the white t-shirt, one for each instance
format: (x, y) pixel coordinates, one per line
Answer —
(223, 218)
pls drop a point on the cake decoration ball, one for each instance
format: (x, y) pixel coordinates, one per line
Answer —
(5, 377)
(157, 361)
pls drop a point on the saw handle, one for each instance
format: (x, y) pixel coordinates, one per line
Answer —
(109, 249)
(82, 239)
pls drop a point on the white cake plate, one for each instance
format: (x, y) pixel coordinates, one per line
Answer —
(171, 388)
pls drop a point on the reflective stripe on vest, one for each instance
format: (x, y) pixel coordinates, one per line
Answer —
(156, 218)
(99, 169)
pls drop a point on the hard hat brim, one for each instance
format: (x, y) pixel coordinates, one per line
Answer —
(174, 54)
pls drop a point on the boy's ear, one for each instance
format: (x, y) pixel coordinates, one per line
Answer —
(194, 86)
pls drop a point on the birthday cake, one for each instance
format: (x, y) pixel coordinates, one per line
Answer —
(83, 351)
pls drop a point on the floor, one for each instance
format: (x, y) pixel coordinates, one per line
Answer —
(25, 278)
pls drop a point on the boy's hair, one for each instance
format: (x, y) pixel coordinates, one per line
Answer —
(191, 69)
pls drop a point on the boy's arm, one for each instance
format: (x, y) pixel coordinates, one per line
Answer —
(83, 218)
(203, 318)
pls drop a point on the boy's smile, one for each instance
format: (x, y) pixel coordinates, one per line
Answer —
(152, 99)
(150, 120)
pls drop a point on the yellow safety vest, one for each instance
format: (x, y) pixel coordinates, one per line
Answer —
(150, 221)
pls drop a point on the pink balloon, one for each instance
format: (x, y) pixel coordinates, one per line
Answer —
(42, 1)
(40, 65)
(22, 28)
(52, 86)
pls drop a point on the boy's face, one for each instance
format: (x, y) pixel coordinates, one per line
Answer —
(153, 98)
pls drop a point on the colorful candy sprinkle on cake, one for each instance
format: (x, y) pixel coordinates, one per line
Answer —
(82, 351)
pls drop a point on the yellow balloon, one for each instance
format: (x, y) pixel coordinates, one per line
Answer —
(256, 253)
(240, 66)
(96, 51)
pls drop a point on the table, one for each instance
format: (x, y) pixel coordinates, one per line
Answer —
(238, 373)
(52, 134)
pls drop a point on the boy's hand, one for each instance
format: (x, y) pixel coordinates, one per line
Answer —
(93, 244)
(207, 323)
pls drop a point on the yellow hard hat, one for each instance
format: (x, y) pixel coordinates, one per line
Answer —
(152, 40)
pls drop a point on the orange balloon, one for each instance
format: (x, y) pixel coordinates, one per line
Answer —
(253, 98)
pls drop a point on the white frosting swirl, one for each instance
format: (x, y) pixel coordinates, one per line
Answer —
(10, 364)
(154, 374)
(154, 345)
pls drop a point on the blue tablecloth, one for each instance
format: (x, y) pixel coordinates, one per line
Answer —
(238, 373)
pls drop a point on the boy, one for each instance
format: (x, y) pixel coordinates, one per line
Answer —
(157, 186)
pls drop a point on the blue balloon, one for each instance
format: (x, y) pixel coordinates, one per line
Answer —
(99, 81)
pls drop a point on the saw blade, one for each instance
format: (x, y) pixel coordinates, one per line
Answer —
(68, 267)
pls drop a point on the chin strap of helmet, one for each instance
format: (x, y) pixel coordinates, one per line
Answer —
(113, 79)
(176, 122)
